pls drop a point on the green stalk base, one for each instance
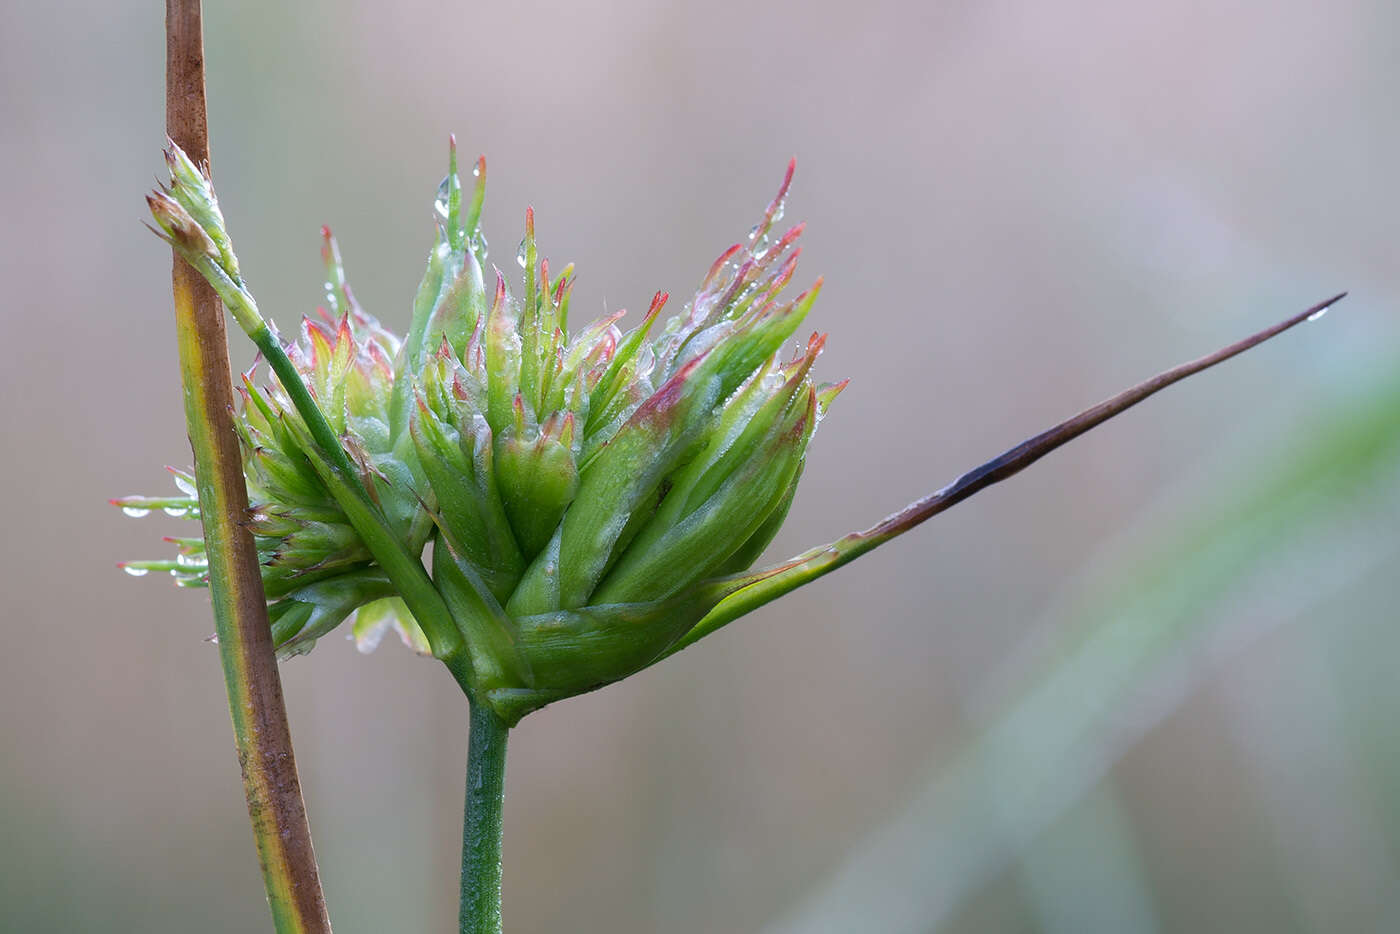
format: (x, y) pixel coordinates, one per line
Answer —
(481, 822)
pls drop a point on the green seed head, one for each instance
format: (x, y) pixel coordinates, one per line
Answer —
(585, 496)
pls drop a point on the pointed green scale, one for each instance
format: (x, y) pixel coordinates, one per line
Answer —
(306, 614)
(490, 636)
(618, 376)
(466, 503)
(462, 305)
(659, 565)
(538, 480)
(533, 337)
(503, 359)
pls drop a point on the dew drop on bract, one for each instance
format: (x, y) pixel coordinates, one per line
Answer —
(135, 572)
(174, 510)
(440, 207)
(135, 512)
(478, 244)
(1318, 314)
(520, 254)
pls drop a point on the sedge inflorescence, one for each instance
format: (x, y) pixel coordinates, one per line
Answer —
(578, 501)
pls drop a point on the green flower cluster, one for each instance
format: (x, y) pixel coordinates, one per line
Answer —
(546, 512)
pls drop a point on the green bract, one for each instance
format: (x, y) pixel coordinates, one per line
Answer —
(582, 500)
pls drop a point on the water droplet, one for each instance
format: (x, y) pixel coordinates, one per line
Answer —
(476, 170)
(212, 640)
(440, 207)
(135, 571)
(188, 561)
(477, 242)
(521, 252)
(135, 512)
(1319, 313)
(175, 510)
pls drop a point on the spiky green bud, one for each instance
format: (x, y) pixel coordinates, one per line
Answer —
(587, 498)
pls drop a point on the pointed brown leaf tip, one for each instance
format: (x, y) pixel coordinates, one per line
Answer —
(158, 232)
(530, 222)
(452, 141)
(179, 227)
(481, 166)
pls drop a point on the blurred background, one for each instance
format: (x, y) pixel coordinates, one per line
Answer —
(1147, 686)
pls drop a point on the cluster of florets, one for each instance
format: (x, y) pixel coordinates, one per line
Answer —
(581, 491)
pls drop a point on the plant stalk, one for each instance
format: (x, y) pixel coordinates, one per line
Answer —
(481, 822)
(256, 705)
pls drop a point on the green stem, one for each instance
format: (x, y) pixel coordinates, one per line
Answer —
(259, 715)
(481, 822)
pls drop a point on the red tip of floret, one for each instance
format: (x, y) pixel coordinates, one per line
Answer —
(718, 264)
(500, 299)
(657, 301)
